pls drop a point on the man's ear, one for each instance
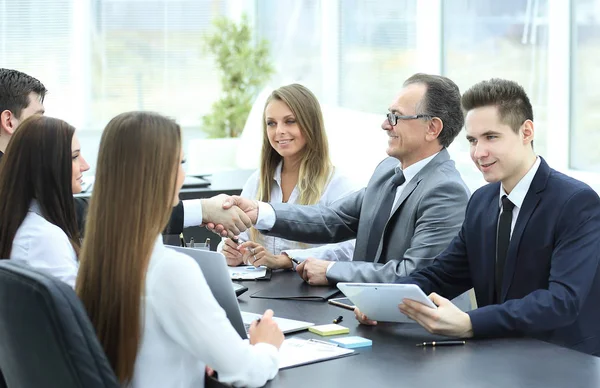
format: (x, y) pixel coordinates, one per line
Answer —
(434, 128)
(8, 122)
(527, 131)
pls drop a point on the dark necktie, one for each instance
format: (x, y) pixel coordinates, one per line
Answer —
(502, 242)
(383, 214)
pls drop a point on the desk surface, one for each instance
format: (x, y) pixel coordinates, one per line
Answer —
(394, 360)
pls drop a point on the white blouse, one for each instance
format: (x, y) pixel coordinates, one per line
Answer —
(185, 329)
(45, 246)
(339, 186)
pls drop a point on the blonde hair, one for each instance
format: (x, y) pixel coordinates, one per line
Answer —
(315, 166)
(130, 206)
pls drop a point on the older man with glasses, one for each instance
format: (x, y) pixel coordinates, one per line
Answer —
(412, 207)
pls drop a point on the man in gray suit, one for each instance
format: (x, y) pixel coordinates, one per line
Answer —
(410, 210)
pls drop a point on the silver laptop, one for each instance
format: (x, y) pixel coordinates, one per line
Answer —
(217, 277)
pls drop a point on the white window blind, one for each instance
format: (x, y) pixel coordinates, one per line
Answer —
(148, 55)
(36, 37)
(377, 51)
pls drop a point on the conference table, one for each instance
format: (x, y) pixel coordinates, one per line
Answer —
(394, 360)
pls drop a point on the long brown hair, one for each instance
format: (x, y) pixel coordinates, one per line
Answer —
(38, 165)
(132, 199)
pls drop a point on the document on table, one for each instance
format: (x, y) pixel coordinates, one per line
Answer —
(296, 352)
(247, 272)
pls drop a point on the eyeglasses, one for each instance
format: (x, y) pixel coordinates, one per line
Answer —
(393, 118)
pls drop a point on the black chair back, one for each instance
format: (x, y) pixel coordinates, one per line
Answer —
(46, 338)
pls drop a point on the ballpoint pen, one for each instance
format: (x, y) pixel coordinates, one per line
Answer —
(441, 343)
(182, 240)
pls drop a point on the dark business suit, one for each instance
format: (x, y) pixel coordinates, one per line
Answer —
(551, 283)
(175, 225)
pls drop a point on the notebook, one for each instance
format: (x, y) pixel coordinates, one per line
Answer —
(286, 325)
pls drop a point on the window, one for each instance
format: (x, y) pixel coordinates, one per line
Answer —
(377, 51)
(36, 37)
(585, 133)
(293, 29)
(148, 55)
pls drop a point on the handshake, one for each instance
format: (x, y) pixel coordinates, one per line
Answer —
(228, 216)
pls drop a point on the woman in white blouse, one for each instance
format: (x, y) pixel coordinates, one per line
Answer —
(295, 168)
(40, 171)
(153, 312)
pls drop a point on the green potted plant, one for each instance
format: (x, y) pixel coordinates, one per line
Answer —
(245, 67)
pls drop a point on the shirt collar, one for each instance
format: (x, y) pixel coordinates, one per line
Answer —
(517, 195)
(411, 171)
(34, 207)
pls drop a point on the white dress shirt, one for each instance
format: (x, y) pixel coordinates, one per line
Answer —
(192, 212)
(185, 329)
(45, 246)
(338, 187)
(518, 193)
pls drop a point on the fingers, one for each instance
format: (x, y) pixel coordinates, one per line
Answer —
(230, 201)
(300, 269)
(362, 318)
(229, 243)
(268, 314)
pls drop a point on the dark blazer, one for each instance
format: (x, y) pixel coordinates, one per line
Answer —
(175, 225)
(551, 285)
(426, 217)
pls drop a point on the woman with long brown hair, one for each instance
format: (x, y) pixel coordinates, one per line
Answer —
(294, 167)
(152, 309)
(39, 173)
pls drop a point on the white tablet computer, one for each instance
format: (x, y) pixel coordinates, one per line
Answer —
(380, 301)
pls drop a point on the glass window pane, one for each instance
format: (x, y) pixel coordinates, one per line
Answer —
(149, 55)
(377, 51)
(499, 39)
(585, 134)
(293, 29)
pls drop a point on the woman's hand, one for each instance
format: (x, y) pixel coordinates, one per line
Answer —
(256, 255)
(232, 253)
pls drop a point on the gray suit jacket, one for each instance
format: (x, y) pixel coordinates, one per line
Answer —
(424, 220)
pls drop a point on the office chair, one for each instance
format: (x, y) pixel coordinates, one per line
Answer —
(46, 337)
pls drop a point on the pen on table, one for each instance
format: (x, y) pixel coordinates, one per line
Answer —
(442, 343)
(338, 319)
(322, 342)
(182, 240)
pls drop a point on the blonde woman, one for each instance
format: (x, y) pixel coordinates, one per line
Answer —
(153, 312)
(294, 168)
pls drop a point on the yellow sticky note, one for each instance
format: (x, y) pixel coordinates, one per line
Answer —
(330, 329)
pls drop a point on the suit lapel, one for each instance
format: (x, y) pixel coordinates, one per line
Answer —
(441, 157)
(529, 204)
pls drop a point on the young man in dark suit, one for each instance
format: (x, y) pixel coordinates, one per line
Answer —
(530, 242)
(22, 95)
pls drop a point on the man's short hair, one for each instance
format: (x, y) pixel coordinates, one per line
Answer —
(507, 96)
(15, 88)
(441, 100)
